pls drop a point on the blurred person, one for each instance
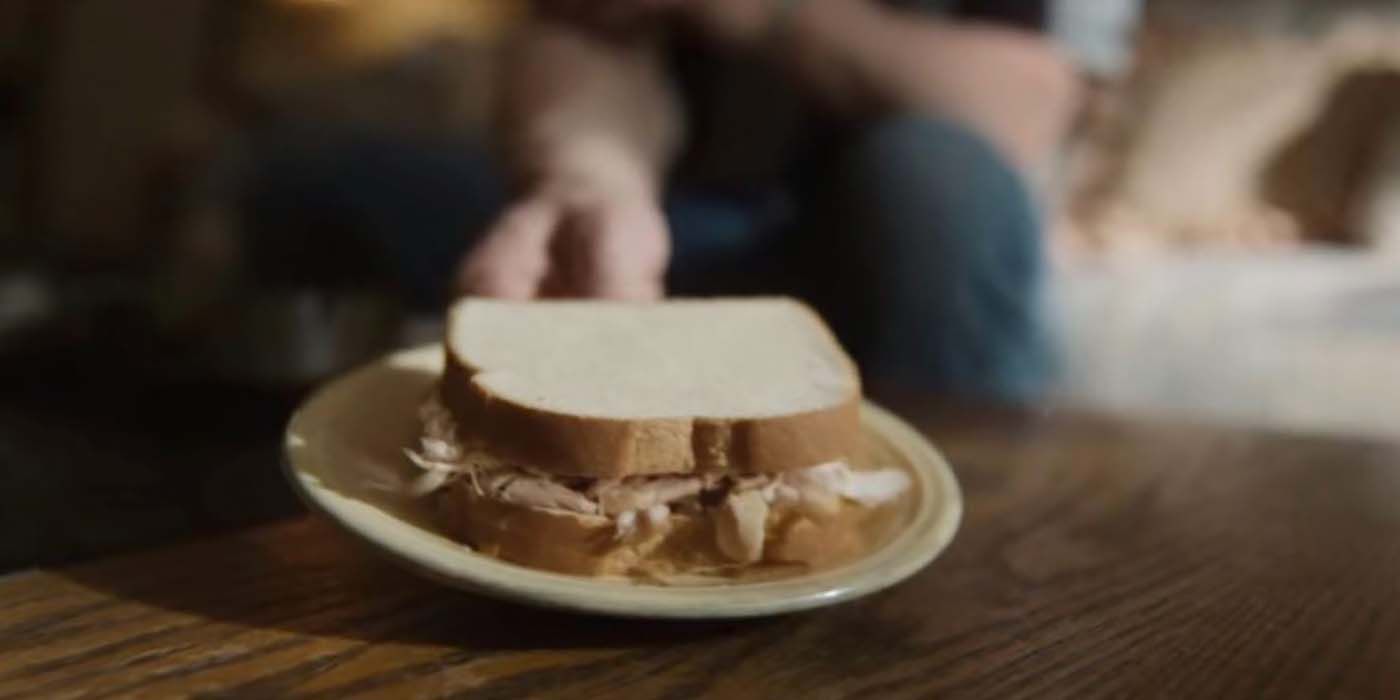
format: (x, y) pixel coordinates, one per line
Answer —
(886, 161)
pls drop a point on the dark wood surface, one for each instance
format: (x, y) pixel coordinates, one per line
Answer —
(1098, 558)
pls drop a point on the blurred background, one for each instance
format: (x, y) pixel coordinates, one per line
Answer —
(1227, 236)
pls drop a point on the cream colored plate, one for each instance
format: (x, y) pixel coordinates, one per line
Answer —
(344, 454)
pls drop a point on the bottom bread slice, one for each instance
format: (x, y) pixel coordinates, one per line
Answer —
(574, 543)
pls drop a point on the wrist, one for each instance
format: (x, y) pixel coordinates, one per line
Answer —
(589, 169)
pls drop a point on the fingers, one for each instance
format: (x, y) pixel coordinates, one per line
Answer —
(613, 253)
(608, 248)
(511, 261)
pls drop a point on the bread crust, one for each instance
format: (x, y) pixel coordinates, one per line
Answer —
(609, 448)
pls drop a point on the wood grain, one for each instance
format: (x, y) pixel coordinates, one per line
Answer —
(1098, 559)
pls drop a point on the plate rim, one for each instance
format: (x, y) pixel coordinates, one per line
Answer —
(922, 540)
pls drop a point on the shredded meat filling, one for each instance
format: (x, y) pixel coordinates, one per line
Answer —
(740, 505)
(741, 525)
(637, 494)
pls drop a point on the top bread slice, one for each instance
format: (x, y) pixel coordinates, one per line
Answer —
(612, 389)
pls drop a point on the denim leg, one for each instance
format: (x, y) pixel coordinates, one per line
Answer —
(387, 207)
(937, 265)
(722, 244)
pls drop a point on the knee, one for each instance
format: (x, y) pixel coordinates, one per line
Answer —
(948, 247)
(918, 148)
(924, 191)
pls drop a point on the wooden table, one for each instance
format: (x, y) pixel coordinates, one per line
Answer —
(1097, 558)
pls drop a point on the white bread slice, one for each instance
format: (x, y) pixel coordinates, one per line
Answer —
(570, 543)
(612, 389)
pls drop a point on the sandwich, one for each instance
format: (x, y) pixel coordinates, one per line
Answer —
(661, 440)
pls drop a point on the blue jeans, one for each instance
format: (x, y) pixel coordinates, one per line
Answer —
(910, 235)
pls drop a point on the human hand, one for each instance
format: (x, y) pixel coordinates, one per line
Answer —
(588, 239)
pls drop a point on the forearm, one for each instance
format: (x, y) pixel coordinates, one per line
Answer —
(860, 57)
(575, 105)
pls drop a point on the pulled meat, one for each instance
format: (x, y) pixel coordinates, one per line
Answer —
(741, 525)
(641, 493)
(537, 492)
(868, 488)
(740, 504)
